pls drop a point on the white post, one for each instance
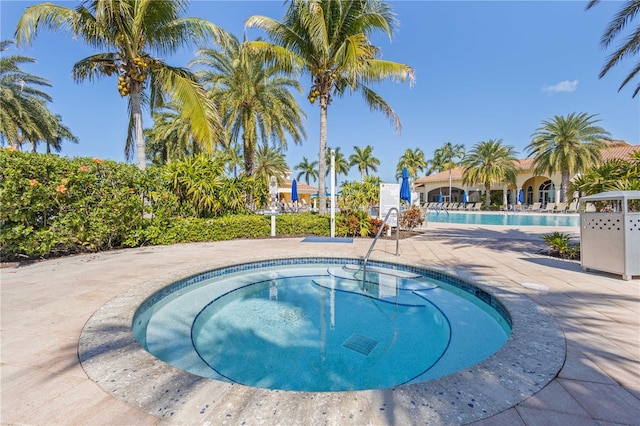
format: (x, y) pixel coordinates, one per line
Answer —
(273, 225)
(333, 193)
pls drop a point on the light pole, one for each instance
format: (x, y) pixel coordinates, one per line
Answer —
(333, 193)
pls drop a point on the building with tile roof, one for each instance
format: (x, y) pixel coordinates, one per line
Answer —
(535, 188)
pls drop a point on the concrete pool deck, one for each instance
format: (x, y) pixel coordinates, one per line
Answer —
(45, 306)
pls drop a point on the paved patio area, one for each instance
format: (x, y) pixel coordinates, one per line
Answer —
(45, 306)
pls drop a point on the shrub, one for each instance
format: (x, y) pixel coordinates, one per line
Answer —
(199, 183)
(375, 226)
(561, 246)
(353, 223)
(56, 205)
(303, 224)
(411, 218)
(192, 229)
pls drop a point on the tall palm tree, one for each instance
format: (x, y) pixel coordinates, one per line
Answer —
(568, 145)
(307, 169)
(629, 47)
(489, 162)
(340, 161)
(447, 157)
(24, 116)
(330, 40)
(130, 32)
(415, 162)
(270, 161)
(363, 159)
(253, 97)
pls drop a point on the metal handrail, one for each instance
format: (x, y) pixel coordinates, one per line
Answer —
(375, 239)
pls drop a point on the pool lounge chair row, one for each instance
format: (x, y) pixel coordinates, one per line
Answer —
(554, 207)
(535, 207)
(453, 206)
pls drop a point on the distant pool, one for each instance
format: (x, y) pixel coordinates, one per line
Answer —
(509, 219)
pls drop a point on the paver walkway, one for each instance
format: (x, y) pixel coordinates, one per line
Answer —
(45, 305)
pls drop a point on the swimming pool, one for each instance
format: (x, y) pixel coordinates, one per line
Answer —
(313, 324)
(501, 218)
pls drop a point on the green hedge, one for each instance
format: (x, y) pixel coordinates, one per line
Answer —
(56, 205)
(184, 230)
(50, 205)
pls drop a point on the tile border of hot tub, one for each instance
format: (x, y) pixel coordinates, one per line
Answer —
(528, 361)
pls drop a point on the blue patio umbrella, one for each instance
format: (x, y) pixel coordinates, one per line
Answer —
(520, 197)
(440, 197)
(294, 191)
(405, 192)
(464, 197)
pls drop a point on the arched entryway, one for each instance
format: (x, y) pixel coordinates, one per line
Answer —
(547, 192)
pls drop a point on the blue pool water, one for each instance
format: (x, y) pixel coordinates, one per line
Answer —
(511, 219)
(312, 325)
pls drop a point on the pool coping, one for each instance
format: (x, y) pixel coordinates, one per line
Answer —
(528, 361)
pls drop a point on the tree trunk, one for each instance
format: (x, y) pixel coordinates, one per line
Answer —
(136, 109)
(322, 179)
(564, 186)
(249, 159)
(487, 197)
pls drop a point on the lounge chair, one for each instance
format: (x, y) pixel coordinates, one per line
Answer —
(454, 206)
(561, 208)
(469, 206)
(535, 207)
(477, 206)
(573, 207)
(549, 208)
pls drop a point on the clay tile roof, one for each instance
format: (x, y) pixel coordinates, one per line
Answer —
(619, 151)
(301, 186)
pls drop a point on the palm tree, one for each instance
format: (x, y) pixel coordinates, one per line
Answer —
(613, 175)
(487, 163)
(447, 157)
(631, 44)
(363, 158)
(414, 161)
(24, 116)
(170, 138)
(55, 132)
(129, 32)
(307, 169)
(233, 154)
(253, 97)
(270, 161)
(340, 161)
(329, 39)
(19, 99)
(568, 145)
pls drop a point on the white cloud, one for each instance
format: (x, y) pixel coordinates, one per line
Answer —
(563, 86)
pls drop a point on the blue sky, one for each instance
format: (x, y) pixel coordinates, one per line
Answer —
(484, 70)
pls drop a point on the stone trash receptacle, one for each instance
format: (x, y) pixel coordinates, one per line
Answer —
(610, 233)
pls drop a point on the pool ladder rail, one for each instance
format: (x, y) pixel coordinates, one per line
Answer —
(375, 240)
